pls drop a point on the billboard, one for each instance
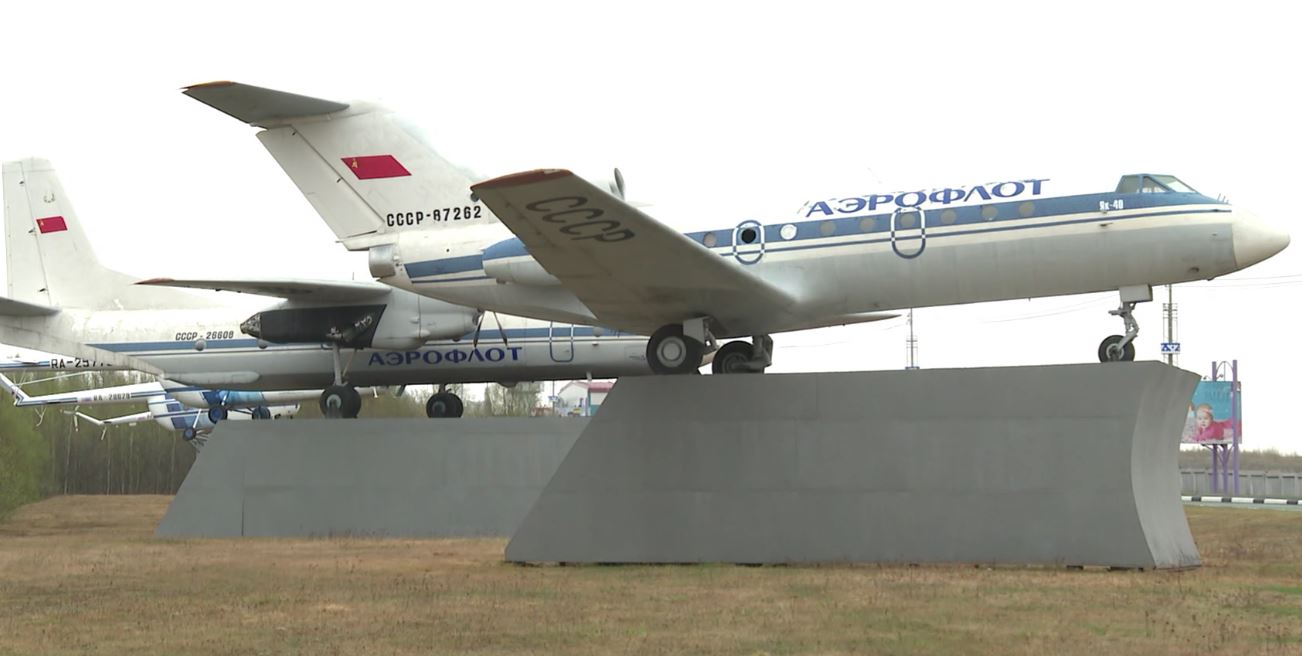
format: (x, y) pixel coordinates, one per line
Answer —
(1210, 419)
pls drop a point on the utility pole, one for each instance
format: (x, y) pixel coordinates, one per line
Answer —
(912, 345)
(1170, 347)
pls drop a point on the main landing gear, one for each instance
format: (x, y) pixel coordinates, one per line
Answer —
(444, 405)
(340, 399)
(1121, 348)
(680, 349)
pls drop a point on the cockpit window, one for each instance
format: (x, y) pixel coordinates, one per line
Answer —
(1173, 183)
(1153, 184)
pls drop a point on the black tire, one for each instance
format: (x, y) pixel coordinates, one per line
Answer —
(189, 434)
(671, 352)
(444, 405)
(216, 414)
(1127, 353)
(340, 401)
(260, 412)
(733, 358)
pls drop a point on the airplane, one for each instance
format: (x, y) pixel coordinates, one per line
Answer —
(216, 404)
(195, 425)
(165, 405)
(35, 361)
(61, 299)
(552, 245)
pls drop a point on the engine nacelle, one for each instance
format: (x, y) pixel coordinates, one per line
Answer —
(523, 270)
(411, 320)
(398, 320)
(613, 185)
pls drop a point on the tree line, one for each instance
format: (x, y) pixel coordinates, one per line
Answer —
(49, 451)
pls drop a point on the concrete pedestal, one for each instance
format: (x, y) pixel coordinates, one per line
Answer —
(382, 477)
(1054, 465)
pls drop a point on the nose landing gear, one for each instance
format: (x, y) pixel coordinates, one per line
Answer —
(741, 358)
(1121, 348)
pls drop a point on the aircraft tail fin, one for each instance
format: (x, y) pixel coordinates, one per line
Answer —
(367, 173)
(50, 262)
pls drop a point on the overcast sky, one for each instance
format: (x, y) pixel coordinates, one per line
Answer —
(715, 115)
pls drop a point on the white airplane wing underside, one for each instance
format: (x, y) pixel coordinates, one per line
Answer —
(288, 288)
(633, 272)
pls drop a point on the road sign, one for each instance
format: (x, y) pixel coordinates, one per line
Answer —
(1170, 347)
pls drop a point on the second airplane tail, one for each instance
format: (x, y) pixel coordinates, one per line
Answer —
(365, 171)
(50, 262)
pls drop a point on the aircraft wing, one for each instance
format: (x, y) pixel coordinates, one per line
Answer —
(13, 308)
(633, 272)
(315, 290)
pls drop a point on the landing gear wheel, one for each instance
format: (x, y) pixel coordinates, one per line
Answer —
(1111, 351)
(734, 358)
(216, 414)
(672, 352)
(341, 401)
(189, 434)
(260, 412)
(444, 405)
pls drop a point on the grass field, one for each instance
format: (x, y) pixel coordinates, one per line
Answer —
(84, 575)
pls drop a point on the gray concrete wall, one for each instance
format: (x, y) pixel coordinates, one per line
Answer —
(1059, 465)
(1269, 485)
(383, 477)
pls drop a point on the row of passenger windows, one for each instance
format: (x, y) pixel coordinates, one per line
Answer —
(903, 221)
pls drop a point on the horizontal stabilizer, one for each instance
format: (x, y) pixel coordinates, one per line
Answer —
(289, 289)
(11, 308)
(259, 106)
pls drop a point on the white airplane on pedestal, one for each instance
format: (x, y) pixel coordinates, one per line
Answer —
(552, 245)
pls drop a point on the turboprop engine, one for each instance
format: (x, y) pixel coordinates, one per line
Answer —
(398, 321)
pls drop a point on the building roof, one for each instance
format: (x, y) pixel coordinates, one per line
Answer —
(595, 387)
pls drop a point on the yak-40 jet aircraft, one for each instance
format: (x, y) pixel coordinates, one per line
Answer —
(552, 245)
(327, 334)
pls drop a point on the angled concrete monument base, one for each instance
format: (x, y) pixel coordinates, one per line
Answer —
(374, 477)
(1055, 465)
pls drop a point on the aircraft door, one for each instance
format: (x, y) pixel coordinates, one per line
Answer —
(748, 242)
(561, 342)
(909, 231)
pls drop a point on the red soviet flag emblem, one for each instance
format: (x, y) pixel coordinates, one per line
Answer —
(370, 167)
(51, 224)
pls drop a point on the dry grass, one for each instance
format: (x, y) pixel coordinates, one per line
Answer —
(84, 574)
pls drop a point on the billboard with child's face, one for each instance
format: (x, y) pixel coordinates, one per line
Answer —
(1210, 420)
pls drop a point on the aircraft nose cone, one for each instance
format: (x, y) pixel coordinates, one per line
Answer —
(1256, 240)
(252, 326)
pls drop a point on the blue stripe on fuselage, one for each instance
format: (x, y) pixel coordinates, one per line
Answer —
(844, 225)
